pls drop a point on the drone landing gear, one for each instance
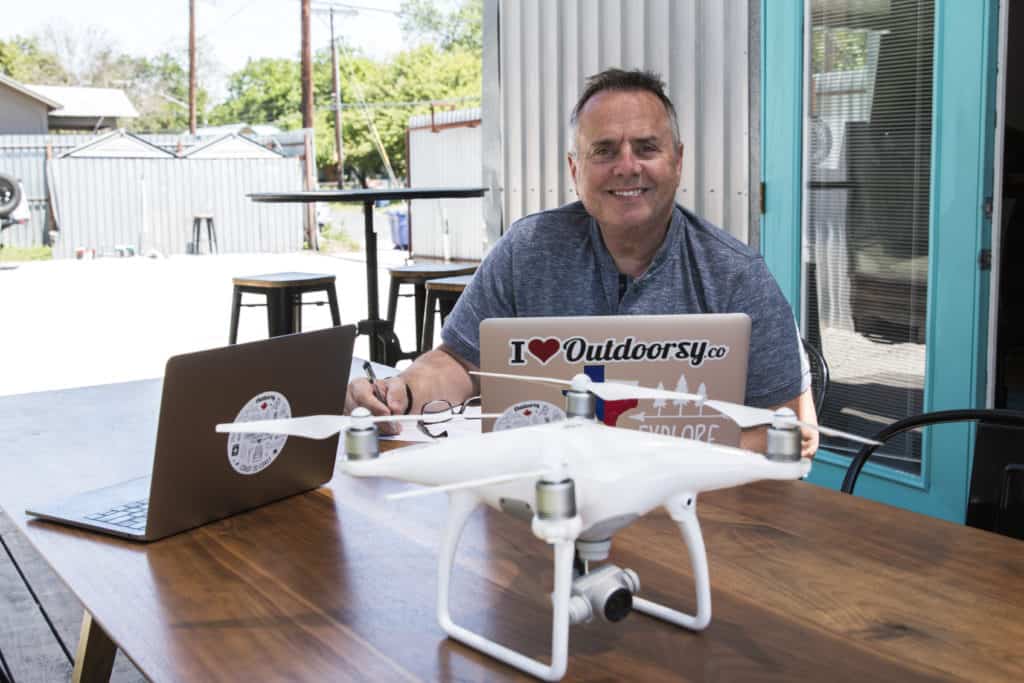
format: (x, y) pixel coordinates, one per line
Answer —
(683, 510)
(562, 535)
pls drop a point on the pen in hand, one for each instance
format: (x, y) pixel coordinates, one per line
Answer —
(370, 375)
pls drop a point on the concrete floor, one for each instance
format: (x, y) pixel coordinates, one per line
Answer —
(70, 323)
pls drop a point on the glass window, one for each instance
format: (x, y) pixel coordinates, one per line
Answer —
(867, 159)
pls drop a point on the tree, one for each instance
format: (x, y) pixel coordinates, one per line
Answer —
(264, 91)
(23, 59)
(267, 91)
(85, 52)
(458, 28)
(159, 90)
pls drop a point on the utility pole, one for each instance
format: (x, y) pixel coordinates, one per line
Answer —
(307, 70)
(192, 67)
(307, 122)
(336, 78)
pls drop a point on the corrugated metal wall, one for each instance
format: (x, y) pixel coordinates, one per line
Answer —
(446, 154)
(546, 51)
(149, 203)
(24, 157)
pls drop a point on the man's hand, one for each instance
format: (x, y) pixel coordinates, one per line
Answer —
(385, 397)
(436, 374)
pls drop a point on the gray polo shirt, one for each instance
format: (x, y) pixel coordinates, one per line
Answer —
(555, 263)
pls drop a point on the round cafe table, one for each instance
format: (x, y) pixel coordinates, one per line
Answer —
(384, 345)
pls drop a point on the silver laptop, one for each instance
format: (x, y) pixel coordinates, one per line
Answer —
(199, 475)
(704, 353)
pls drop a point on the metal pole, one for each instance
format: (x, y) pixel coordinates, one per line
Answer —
(338, 146)
(192, 67)
(307, 70)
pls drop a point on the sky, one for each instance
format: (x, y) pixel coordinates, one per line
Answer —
(236, 29)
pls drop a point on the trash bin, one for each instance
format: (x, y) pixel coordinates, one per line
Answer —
(399, 221)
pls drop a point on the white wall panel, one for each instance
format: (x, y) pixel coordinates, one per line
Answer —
(446, 155)
(547, 48)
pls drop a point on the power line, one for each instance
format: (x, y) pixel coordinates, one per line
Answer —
(321, 6)
(401, 105)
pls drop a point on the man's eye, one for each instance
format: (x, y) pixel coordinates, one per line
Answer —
(602, 152)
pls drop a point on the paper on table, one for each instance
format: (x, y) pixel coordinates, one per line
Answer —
(456, 427)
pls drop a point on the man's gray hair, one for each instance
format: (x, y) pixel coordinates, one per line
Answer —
(623, 80)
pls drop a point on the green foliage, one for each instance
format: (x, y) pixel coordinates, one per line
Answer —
(838, 49)
(264, 91)
(461, 27)
(268, 91)
(16, 254)
(446, 67)
(24, 60)
(157, 86)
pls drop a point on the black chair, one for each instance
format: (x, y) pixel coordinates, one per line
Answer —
(999, 433)
(819, 375)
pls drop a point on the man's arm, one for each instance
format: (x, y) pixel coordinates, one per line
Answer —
(436, 374)
(803, 405)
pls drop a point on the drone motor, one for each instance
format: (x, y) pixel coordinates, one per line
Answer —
(556, 500)
(361, 439)
(580, 404)
(783, 444)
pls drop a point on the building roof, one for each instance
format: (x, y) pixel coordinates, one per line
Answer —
(79, 102)
(231, 146)
(119, 144)
(446, 117)
(24, 90)
(238, 129)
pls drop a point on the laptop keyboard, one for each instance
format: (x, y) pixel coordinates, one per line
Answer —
(131, 515)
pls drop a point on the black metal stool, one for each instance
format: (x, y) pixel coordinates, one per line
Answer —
(284, 299)
(197, 230)
(417, 276)
(442, 294)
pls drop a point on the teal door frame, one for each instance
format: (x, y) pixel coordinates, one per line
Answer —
(961, 180)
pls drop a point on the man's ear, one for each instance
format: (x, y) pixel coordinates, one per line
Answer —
(679, 159)
(572, 171)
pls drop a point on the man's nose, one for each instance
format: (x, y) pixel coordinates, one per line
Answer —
(628, 164)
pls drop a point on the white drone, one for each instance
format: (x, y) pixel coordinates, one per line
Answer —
(578, 482)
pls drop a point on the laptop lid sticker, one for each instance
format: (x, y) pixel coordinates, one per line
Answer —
(253, 453)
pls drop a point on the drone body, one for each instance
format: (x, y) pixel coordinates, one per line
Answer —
(619, 474)
(578, 482)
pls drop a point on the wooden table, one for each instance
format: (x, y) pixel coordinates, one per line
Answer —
(338, 584)
(384, 346)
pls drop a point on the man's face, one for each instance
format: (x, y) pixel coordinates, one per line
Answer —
(626, 168)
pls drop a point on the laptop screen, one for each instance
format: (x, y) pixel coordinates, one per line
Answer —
(699, 354)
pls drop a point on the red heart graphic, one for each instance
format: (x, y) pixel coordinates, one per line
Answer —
(543, 349)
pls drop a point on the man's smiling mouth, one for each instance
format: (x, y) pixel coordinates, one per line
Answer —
(636, 192)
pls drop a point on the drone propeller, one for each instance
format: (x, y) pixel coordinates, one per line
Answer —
(324, 426)
(606, 391)
(747, 416)
(468, 484)
(744, 416)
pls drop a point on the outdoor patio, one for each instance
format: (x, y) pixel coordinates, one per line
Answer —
(68, 323)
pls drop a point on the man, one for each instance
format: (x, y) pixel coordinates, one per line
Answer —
(624, 248)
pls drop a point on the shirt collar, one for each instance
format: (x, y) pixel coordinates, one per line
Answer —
(667, 248)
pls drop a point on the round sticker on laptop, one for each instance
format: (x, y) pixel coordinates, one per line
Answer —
(252, 453)
(526, 413)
